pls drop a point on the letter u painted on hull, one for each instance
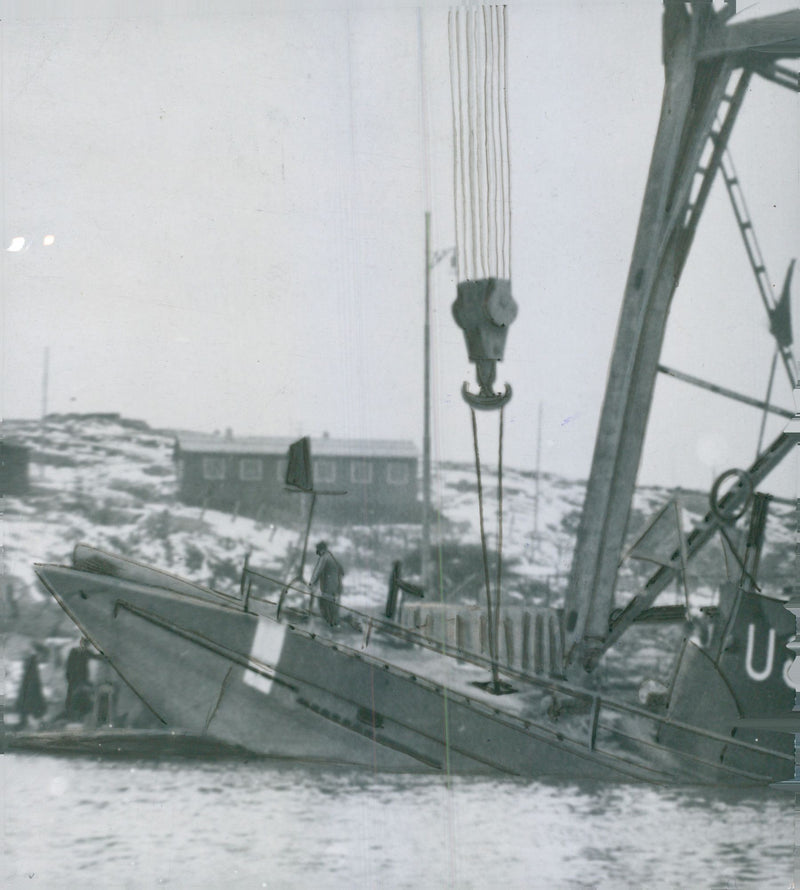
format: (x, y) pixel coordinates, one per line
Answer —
(759, 675)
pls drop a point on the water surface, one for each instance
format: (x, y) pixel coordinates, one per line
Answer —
(80, 822)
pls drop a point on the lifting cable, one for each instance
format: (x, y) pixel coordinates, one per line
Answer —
(484, 306)
(492, 609)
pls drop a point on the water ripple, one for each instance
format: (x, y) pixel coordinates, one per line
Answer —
(255, 825)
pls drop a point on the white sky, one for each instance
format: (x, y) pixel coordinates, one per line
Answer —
(237, 201)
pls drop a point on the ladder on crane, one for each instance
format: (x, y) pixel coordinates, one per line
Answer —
(715, 156)
(777, 310)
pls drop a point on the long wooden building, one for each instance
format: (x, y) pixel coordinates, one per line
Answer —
(247, 475)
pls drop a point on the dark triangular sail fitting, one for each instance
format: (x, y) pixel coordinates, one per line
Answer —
(299, 469)
(483, 310)
(780, 317)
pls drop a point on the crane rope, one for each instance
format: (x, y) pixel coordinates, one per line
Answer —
(484, 308)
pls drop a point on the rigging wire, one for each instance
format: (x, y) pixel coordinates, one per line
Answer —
(492, 635)
(499, 534)
(492, 601)
(481, 176)
(477, 40)
(455, 74)
(505, 161)
(775, 355)
(490, 131)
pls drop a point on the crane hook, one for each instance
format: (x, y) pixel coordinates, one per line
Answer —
(484, 309)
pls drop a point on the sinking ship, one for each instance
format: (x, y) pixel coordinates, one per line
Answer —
(262, 669)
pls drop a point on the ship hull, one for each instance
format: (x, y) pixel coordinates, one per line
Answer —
(298, 690)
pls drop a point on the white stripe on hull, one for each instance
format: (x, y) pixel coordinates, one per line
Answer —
(266, 649)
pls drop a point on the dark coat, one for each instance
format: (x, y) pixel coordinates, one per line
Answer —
(329, 574)
(30, 699)
(77, 667)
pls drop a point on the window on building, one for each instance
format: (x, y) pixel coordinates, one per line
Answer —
(360, 471)
(251, 469)
(180, 469)
(213, 468)
(280, 469)
(397, 473)
(324, 471)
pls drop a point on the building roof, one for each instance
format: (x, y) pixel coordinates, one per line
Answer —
(198, 443)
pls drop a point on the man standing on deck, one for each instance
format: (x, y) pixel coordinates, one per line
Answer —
(328, 573)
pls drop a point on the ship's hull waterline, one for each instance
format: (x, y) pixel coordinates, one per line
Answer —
(300, 690)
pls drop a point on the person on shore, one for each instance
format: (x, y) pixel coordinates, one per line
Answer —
(30, 700)
(79, 690)
(328, 574)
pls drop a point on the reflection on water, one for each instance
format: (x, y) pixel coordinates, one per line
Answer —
(80, 823)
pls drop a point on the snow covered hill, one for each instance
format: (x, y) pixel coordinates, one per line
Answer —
(110, 482)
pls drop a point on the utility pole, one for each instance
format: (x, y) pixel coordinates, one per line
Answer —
(45, 386)
(431, 261)
(426, 431)
(45, 374)
(537, 489)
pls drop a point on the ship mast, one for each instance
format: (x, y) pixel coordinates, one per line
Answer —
(708, 65)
